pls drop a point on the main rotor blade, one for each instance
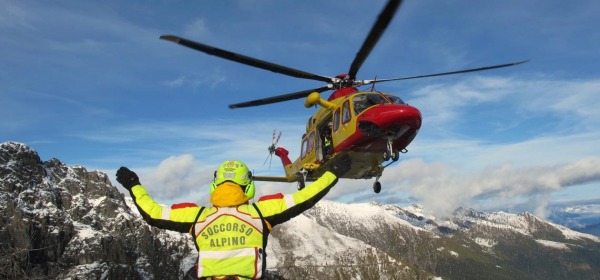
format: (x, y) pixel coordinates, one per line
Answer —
(377, 30)
(279, 98)
(246, 59)
(366, 82)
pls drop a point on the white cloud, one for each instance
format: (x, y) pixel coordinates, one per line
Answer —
(444, 106)
(196, 29)
(177, 82)
(442, 187)
(178, 175)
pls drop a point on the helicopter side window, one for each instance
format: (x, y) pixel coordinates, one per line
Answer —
(346, 112)
(304, 146)
(336, 120)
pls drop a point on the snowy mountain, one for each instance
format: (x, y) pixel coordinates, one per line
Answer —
(65, 222)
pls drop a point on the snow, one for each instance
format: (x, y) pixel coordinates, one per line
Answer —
(483, 242)
(553, 244)
(452, 253)
(522, 224)
(97, 201)
(575, 235)
(507, 221)
(129, 202)
(314, 244)
(363, 214)
(324, 242)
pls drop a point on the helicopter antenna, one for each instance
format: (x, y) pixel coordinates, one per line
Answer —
(373, 86)
(273, 147)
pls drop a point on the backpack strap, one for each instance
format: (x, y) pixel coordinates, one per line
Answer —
(265, 239)
(194, 228)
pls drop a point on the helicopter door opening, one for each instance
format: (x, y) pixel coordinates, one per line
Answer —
(325, 139)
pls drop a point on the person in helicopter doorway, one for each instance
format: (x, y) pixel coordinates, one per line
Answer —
(231, 235)
(327, 142)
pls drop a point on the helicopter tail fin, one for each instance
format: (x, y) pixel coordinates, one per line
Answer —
(282, 153)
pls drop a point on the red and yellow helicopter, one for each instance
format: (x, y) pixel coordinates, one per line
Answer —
(371, 126)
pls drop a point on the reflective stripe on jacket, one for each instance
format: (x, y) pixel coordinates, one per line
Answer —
(231, 239)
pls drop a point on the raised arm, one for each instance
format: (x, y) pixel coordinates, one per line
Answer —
(280, 208)
(178, 217)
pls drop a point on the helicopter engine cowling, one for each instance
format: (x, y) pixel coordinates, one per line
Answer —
(315, 98)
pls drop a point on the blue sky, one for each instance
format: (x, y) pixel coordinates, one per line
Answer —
(91, 84)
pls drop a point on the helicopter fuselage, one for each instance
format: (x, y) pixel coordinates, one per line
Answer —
(366, 125)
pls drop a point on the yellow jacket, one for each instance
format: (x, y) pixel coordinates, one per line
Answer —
(231, 236)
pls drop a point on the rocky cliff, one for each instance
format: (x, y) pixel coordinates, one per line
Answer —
(70, 223)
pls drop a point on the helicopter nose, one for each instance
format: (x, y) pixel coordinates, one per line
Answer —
(378, 120)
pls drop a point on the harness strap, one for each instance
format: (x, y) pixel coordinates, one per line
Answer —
(194, 228)
(265, 238)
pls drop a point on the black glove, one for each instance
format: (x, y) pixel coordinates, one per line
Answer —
(341, 164)
(127, 178)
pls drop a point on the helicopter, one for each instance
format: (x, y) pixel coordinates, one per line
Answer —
(372, 127)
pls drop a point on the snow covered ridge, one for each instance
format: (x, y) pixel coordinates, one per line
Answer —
(414, 240)
(364, 215)
(72, 223)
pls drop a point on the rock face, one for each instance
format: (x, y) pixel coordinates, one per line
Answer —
(70, 223)
(65, 222)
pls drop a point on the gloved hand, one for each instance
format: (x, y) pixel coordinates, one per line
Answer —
(340, 165)
(127, 178)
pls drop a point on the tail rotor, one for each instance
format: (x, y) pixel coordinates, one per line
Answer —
(273, 147)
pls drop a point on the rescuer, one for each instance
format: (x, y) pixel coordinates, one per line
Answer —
(231, 235)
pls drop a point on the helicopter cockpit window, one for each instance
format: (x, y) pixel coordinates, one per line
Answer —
(395, 99)
(364, 101)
